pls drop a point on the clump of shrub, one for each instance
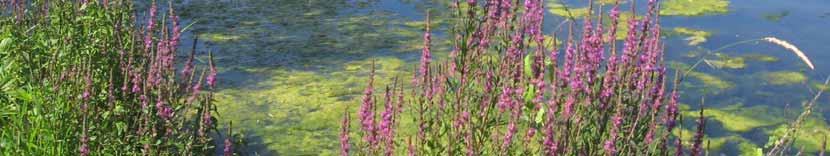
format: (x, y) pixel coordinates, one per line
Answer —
(83, 77)
(503, 92)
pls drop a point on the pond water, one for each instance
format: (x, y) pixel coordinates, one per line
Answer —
(290, 68)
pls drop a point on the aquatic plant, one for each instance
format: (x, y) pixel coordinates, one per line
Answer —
(695, 37)
(503, 92)
(693, 7)
(784, 77)
(79, 78)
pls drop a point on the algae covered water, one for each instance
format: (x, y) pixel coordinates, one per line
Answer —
(289, 69)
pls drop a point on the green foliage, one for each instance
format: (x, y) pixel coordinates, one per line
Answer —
(62, 68)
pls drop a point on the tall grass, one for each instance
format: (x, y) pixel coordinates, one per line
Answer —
(507, 90)
(83, 78)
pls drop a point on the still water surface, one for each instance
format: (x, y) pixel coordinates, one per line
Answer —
(290, 68)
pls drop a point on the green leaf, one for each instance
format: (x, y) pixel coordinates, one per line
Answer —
(540, 115)
(528, 65)
(22, 95)
(4, 44)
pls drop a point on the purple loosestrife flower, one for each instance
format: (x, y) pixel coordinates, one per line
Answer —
(505, 99)
(531, 132)
(110, 92)
(609, 81)
(211, 77)
(462, 120)
(367, 111)
(136, 81)
(87, 92)
(144, 102)
(539, 82)
(650, 134)
(439, 88)
(228, 150)
(344, 135)
(659, 90)
(508, 136)
(615, 21)
(514, 55)
(611, 143)
(84, 149)
(156, 70)
(453, 58)
(490, 81)
(533, 17)
(611, 76)
(630, 42)
(516, 112)
(197, 88)
(151, 23)
(207, 119)
(547, 142)
(386, 122)
(468, 139)
(505, 9)
(188, 66)
(569, 105)
(565, 74)
(698, 138)
(671, 115)
(592, 50)
(426, 57)
(176, 34)
(163, 111)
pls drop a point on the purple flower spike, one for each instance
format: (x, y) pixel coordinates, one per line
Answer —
(505, 99)
(228, 150)
(508, 137)
(207, 119)
(211, 78)
(84, 149)
(88, 88)
(426, 56)
(610, 144)
(344, 136)
(163, 111)
(386, 123)
(367, 112)
(151, 23)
